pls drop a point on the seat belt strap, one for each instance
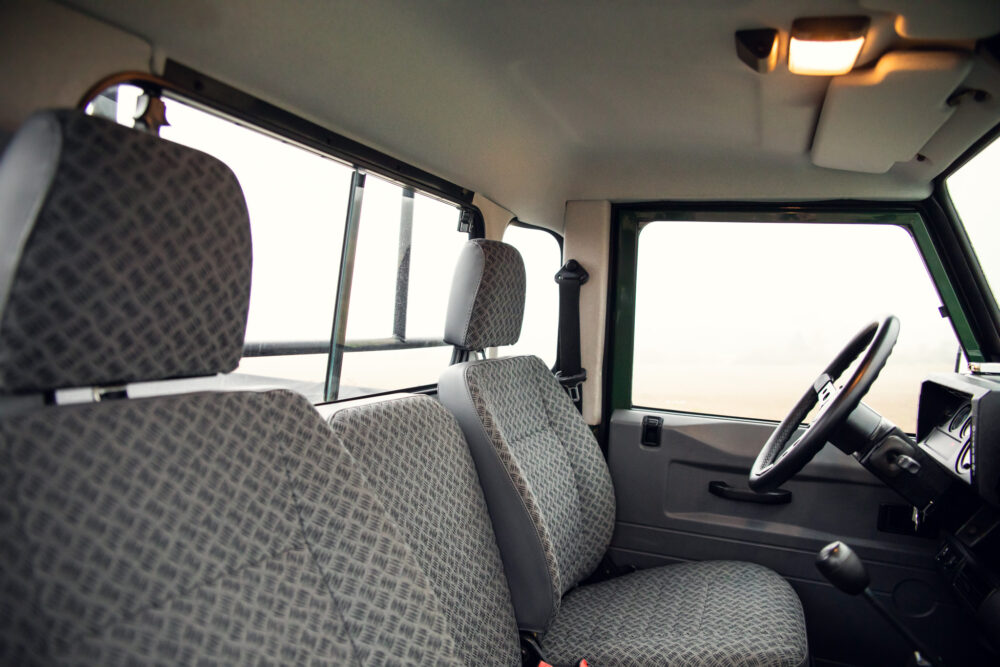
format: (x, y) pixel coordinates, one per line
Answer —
(568, 369)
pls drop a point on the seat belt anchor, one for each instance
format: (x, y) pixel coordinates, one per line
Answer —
(572, 272)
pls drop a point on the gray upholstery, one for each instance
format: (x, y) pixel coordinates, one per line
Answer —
(419, 465)
(486, 304)
(209, 528)
(552, 503)
(707, 614)
(132, 257)
(553, 484)
(187, 529)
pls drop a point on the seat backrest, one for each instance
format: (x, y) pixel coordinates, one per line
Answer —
(201, 528)
(541, 468)
(413, 452)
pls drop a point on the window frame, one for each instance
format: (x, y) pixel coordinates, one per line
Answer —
(560, 240)
(517, 222)
(958, 251)
(191, 87)
(629, 219)
(339, 344)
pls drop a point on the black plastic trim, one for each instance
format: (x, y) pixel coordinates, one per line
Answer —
(603, 433)
(424, 389)
(516, 222)
(818, 206)
(776, 497)
(252, 110)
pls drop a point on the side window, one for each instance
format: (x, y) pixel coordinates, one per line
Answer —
(542, 256)
(973, 191)
(407, 246)
(404, 251)
(297, 200)
(738, 318)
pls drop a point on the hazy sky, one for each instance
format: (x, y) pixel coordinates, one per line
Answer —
(976, 193)
(740, 318)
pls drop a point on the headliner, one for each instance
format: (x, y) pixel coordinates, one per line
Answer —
(533, 104)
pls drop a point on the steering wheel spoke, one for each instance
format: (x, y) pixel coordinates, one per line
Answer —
(826, 394)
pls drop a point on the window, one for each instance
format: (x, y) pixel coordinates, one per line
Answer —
(297, 202)
(405, 245)
(974, 192)
(542, 258)
(739, 318)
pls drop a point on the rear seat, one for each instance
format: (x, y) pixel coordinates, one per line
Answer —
(201, 528)
(415, 456)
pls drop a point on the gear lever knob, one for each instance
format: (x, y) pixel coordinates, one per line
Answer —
(842, 568)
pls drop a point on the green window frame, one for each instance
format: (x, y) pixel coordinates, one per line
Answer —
(628, 221)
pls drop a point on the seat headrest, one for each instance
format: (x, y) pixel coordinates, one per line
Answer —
(123, 257)
(487, 296)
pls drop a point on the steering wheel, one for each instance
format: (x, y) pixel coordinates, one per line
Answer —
(778, 460)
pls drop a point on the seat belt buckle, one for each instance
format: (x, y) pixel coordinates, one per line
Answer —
(573, 384)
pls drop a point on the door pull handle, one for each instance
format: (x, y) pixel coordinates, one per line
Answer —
(723, 490)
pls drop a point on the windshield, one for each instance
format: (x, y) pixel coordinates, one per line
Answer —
(974, 191)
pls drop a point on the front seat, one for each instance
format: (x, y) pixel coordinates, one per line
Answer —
(198, 528)
(552, 505)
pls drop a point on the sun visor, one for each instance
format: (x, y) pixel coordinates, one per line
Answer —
(952, 20)
(876, 117)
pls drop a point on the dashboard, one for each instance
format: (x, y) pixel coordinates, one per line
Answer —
(958, 426)
(958, 437)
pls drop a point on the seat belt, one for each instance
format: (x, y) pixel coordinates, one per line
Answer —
(568, 370)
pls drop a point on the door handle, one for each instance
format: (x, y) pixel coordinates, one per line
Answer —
(723, 490)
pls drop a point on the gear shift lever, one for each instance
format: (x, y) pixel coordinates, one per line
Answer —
(842, 568)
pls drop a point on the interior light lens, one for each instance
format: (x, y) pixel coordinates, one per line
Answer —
(826, 46)
(823, 58)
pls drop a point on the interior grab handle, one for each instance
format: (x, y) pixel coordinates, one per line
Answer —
(723, 490)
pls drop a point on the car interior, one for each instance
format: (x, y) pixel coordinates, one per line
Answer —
(513, 333)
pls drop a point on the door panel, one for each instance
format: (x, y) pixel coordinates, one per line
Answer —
(666, 515)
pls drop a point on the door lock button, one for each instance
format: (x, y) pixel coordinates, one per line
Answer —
(651, 427)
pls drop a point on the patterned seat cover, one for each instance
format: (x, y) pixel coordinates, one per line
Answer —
(552, 502)
(212, 528)
(416, 458)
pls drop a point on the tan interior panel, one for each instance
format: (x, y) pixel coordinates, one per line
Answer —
(962, 19)
(587, 239)
(51, 55)
(495, 216)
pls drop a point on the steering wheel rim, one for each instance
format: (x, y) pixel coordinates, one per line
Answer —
(778, 460)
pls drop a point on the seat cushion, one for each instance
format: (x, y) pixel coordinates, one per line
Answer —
(706, 613)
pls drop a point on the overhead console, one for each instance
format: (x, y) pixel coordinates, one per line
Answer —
(958, 426)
